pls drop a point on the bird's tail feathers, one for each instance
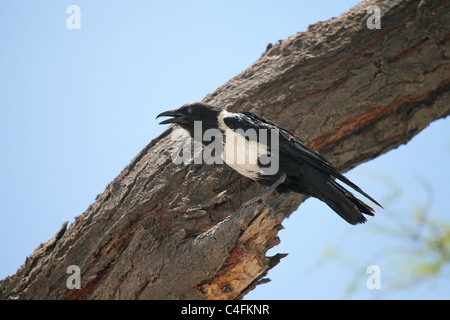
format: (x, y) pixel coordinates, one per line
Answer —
(344, 203)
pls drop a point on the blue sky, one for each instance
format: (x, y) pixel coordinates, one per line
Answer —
(78, 105)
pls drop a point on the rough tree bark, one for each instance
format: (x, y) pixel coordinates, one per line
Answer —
(166, 231)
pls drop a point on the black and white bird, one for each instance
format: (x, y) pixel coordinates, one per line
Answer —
(300, 169)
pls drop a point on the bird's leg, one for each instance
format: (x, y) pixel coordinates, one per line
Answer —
(266, 193)
(277, 199)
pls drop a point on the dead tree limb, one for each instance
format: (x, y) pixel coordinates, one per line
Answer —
(167, 231)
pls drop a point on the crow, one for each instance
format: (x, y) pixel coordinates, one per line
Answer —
(299, 168)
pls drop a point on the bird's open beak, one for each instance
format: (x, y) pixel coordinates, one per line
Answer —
(177, 117)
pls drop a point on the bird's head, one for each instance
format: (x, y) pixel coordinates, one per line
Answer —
(186, 115)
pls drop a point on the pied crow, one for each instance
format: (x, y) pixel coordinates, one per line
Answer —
(300, 169)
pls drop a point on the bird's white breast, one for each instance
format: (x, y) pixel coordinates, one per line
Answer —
(238, 152)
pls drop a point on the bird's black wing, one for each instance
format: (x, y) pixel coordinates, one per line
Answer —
(291, 145)
(247, 120)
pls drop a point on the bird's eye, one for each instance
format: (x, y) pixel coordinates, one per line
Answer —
(189, 110)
